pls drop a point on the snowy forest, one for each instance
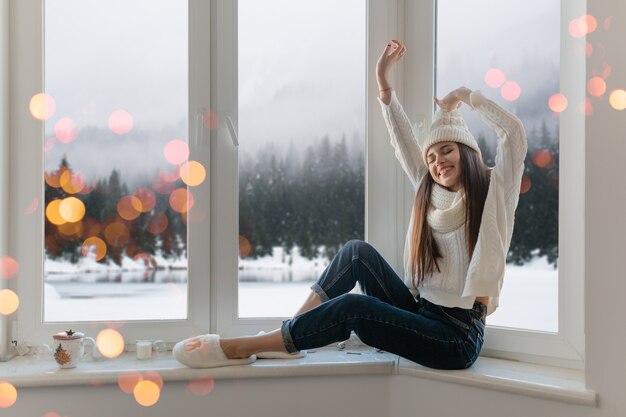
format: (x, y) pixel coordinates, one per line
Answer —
(313, 198)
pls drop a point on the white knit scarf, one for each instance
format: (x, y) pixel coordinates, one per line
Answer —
(447, 211)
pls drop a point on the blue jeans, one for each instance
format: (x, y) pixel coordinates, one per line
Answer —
(388, 317)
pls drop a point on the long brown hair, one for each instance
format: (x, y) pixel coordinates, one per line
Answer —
(475, 183)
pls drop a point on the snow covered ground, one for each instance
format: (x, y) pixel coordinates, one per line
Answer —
(95, 292)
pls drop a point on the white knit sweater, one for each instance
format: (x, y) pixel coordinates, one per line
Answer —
(462, 278)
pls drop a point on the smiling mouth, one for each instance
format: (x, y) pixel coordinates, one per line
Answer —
(445, 171)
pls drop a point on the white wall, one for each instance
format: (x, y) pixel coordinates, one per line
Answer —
(398, 396)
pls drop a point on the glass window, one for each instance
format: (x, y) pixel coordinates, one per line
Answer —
(117, 183)
(510, 51)
(302, 121)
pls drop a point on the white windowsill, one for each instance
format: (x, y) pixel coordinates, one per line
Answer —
(540, 381)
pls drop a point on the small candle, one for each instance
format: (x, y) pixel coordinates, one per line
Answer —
(144, 349)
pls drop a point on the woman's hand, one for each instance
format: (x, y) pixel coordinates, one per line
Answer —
(393, 52)
(454, 98)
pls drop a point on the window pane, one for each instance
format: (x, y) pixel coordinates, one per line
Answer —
(302, 90)
(510, 51)
(115, 227)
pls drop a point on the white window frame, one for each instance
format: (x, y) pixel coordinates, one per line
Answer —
(26, 232)
(386, 182)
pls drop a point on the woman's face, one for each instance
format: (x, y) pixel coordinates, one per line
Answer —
(444, 164)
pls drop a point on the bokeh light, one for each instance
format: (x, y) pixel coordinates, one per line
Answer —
(94, 245)
(201, 386)
(53, 213)
(72, 183)
(510, 91)
(71, 230)
(42, 106)
(591, 23)
(495, 77)
(578, 27)
(589, 49)
(91, 227)
(120, 122)
(51, 414)
(158, 223)
(526, 184)
(586, 107)
(32, 207)
(155, 377)
(72, 209)
(542, 158)
(8, 394)
(146, 393)
(9, 302)
(127, 381)
(169, 176)
(607, 23)
(163, 187)
(148, 261)
(176, 151)
(209, 120)
(147, 199)
(606, 70)
(557, 102)
(49, 144)
(110, 343)
(53, 179)
(66, 130)
(116, 234)
(8, 267)
(617, 99)
(244, 247)
(181, 200)
(596, 86)
(192, 173)
(129, 207)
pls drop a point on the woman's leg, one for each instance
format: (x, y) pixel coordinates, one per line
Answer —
(358, 261)
(431, 337)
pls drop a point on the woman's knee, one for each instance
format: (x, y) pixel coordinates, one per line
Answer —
(360, 247)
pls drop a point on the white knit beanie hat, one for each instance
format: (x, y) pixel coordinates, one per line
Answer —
(449, 126)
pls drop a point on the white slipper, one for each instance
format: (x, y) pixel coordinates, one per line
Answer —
(279, 355)
(205, 352)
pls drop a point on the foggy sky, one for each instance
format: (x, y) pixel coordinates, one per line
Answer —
(302, 69)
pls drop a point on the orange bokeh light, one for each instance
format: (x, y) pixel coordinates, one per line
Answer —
(110, 343)
(578, 27)
(596, 86)
(495, 77)
(146, 393)
(129, 207)
(72, 183)
(244, 247)
(590, 22)
(181, 200)
(158, 223)
(617, 99)
(121, 122)
(510, 91)
(176, 151)
(71, 230)
(42, 106)
(557, 102)
(53, 213)
(8, 267)
(155, 377)
(163, 187)
(51, 414)
(72, 209)
(147, 199)
(192, 173)
(66, 130)
(526, 184)
(53, 179)
(201, 386)
(94, 245)
(542, 158)
(8, 394)
(128, 380)
(9, 302)
(116, 234)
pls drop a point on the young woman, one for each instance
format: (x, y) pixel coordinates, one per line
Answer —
(455, 250)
